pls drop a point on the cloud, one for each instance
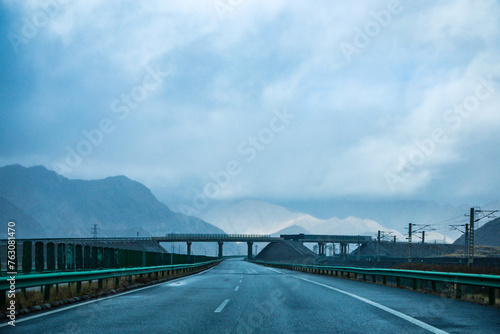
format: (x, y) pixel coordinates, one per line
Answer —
(356, 119)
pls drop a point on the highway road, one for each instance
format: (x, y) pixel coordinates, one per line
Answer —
(241, 297)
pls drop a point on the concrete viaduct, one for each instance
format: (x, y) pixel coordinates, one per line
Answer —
(322, 240)
(152, 243)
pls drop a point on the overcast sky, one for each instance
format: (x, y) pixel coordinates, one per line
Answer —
(272, 99)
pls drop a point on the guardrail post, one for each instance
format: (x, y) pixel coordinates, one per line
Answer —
(51, 256)
(434, 285)
(93, 260)
(122, 259)
(130, 257)
(414, 283)
(114, 258)
(46, 292)
(99, 284)
(79, 257)
(39, 258)
(70, 259)
(491, 296)
(27, 257)
(87, 262)
(398, 281)
(458, 291)
(106, 258)
(384, 279)
(78, 287)
(374, 278)
(100, 257)
(61, 256)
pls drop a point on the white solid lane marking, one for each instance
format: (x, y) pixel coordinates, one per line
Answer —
(100, 299)
(237, 288)
(221, 306)
(279, 272)
(382, 307)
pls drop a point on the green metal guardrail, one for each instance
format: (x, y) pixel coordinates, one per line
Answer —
(49, 279)
(492, 282)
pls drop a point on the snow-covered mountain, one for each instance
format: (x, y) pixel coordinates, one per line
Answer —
(250, 217)
(258, 217)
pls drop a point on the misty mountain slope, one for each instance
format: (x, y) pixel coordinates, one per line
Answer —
(294, 229)
(26, 226)
(486, 235)
(120, 206)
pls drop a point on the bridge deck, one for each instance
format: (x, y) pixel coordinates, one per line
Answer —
(218, 238)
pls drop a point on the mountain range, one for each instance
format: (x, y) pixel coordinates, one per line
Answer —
(45, 204)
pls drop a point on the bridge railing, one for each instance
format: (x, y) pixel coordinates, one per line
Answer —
(214, 237)
(46, 281)
(414, 279)
(54, 255)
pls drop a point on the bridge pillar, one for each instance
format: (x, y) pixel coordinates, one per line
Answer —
(321, 248)
(250, 244)
(220, 248)
(343, 250)
(189, 243)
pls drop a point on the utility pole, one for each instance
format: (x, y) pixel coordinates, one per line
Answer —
(466, 237)
(423, 237)
(471, 236)
(394, 239)
(466, 251)
(482, 214)
(409, 241)
(95, 231)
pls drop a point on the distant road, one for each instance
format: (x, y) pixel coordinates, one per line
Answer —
(241, 297)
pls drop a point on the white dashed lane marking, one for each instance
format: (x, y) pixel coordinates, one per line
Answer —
(221, 306)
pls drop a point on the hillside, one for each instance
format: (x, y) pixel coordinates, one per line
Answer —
(57, 207)
(27, 226)
(486, 235)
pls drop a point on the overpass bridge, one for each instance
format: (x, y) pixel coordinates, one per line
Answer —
(250, 239)
(152, 243)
